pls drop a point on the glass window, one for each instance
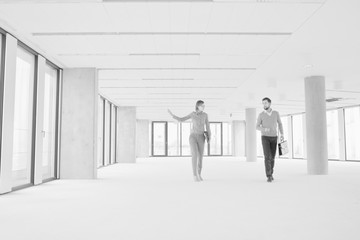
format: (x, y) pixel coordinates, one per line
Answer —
(23, 115)
(113, 129)
(107, 134)
(159, 139)
(298, 136)
(49, 128)
(150, 138)
(216, 139)
(352, 130)
(100, 131)
(173, 139)
(206, 149)
(285, 124)
(185, 134)
(333, 134)
(227, 139)
(1, 51)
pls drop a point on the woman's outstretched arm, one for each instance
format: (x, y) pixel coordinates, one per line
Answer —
(180, 119)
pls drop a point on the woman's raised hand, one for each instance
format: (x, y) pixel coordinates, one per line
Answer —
(170, 112)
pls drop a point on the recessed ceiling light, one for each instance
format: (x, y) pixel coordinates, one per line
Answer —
(308, 66)
(168, 79)
(157, 1)
(164, 54)
(169, 93)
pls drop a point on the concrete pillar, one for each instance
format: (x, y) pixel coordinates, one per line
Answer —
(251, 153)
(126, 149)
(79, 124)
(142, 138)
(238, 136)
(316, 128)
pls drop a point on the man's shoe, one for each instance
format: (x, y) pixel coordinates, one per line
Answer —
(272, 178)
(269, 179)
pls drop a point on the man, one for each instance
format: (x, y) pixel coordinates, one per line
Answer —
(267, 123)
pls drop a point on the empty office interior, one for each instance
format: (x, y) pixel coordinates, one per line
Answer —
(90, 149)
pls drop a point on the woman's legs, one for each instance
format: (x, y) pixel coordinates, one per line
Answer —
(201, 145)
(194, 152)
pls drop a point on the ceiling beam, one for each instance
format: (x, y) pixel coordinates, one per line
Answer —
(38, 34)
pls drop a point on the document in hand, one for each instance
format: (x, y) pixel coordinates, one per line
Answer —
(283, 148)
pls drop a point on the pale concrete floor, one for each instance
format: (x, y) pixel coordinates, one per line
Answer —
(157, 199)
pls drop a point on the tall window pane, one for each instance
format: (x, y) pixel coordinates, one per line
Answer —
(227, 139)
(284, 121)
(159, 138)
(173, 139)
(333, 134)
(107, 134)
(298, 136)
(215, 143)
(1, 51)
(206, 149)
(185, 134)
(24, 86)
(113, 150)
(150, 138)
(352, 130)
(49, 130)
(100, 131)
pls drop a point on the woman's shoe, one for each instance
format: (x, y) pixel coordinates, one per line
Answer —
(199, 176)
(196, 179)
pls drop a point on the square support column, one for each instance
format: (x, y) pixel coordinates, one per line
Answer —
(79, 124)
(126, 144)
(316, 127)
(251, 152)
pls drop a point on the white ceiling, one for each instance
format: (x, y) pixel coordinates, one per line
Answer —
(167, 54)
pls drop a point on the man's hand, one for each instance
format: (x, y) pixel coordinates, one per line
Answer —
(281, 138)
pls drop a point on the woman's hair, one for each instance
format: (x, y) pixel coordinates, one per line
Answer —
(198, 103)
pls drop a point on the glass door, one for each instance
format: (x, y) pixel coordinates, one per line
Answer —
(352, 129)
(100, 156)
(159, 138)
(298, 136)
(173, 138)
(23, 118)
(107, 133)
(49, 128)
(112, 135)
(215, 146)
(185, 134)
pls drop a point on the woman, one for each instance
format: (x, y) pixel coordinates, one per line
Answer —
(197, 138)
